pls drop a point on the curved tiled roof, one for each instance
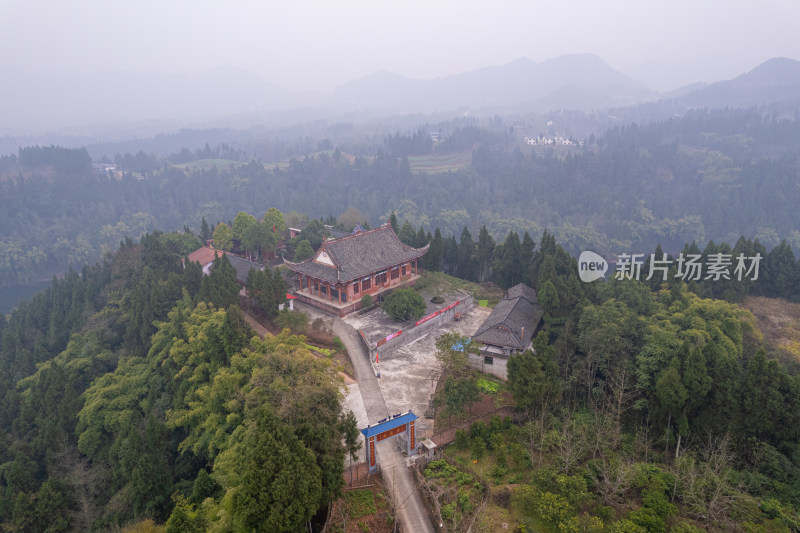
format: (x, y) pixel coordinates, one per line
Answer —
(504, 326)
(358, 255)
(204, 255)
(242, 267)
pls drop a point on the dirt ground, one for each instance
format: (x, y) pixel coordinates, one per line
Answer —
(779, 323)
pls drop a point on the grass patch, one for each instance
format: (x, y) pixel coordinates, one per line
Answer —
(483, 303)
(324, 351)
(210, 163)
(360, 503)
(778, 321)
(434, 283)
(488, 387)
(439, 163)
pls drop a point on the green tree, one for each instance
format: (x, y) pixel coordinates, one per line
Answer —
(671, 395)
(485, 253)
(279, 483)
(467, 256)
(184, 519)
(223, 237)
(220, 287)
(205, 231)
(267, 289)
(548, 297)
(533, 375)
(350, 218)
(433, 259)
(453, 351)
(274, 223)
(257, 239)
(295, 321)
(509, 270)
(241, 223)
(404, 304)
(304, 251)
(349, 428)
(366, 301)
(459, 393)
(204, 486)
(407, 235)
(315, 232)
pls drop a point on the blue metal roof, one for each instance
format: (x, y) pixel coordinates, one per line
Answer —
(461, 345)
(388, 423)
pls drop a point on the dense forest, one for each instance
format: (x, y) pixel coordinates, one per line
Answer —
(125, 385)
(135, 390)
(710, 175)
(643, 408)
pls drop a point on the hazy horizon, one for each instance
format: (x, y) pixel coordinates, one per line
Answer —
(316, 46)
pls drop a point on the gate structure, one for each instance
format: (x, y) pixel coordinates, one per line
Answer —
(389, 427)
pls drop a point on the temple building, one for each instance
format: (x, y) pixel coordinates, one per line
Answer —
(344, 270)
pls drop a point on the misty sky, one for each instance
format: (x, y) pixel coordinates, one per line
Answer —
(315, 45)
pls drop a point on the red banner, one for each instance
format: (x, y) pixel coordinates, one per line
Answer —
(437, 313)
(412, 439)
(387, 339)
(391, 433)
(371, 451)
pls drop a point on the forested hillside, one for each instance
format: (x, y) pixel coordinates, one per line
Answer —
(136, 391)
(642, 409)
(124, 386)
(707, 176)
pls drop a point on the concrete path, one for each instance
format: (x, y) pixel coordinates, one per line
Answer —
(260, 330)
(396, 475)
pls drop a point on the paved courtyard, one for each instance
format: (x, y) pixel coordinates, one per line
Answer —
(407, 381)
(410, 373)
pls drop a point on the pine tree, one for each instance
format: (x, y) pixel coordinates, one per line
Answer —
(205, 231)
(220, 287)
(466, 256)
(433, 259)
(485, 253)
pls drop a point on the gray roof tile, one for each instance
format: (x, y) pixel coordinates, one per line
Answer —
(504, 326)
(243, 267)
(359, 255)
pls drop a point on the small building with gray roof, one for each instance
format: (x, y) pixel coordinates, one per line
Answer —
(508, 330)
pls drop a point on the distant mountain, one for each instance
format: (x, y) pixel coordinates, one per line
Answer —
(117, 105)
(776, 80)
(33, 103)
(580, 81)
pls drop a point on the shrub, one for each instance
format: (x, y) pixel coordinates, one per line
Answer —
(437, 300)
(479, 429)
(360, 503)
(462, 439)
(502, 498)
(463, 502)
(501, 455)
(488, 387)
(462, 478)
(294, 320)
(404, 304)
(449, 510)
(366, 301)
(478, 448)
(498, 473)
